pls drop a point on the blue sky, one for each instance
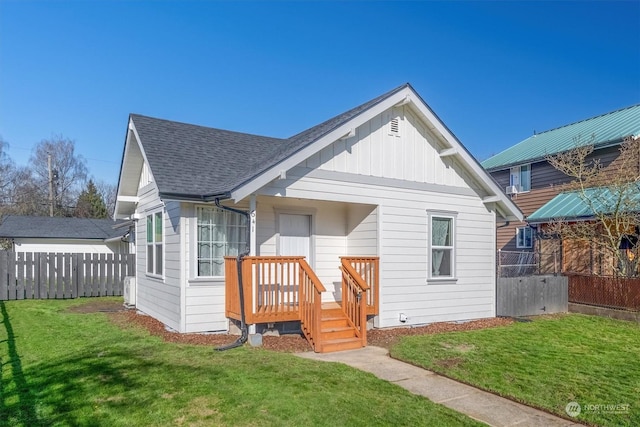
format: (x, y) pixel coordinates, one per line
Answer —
(493, 71)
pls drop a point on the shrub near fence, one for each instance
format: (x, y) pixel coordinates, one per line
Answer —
(613, 292)
(39, 275)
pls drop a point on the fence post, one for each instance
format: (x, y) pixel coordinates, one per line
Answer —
(4, 276)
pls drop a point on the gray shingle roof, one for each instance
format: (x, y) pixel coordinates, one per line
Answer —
(194, 161)
(16, 226)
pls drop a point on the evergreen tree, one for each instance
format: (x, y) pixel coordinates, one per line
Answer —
(90, 203)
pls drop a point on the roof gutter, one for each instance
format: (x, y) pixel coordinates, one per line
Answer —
(195, 197)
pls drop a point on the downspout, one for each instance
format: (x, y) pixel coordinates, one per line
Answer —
(243, 326)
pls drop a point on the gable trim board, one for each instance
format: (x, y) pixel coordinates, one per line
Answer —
(357, 211)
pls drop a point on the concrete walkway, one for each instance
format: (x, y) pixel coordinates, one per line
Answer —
(475, 403)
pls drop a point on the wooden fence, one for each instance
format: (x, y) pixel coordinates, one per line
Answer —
(612, 292)
(39, 275)
(531, 295)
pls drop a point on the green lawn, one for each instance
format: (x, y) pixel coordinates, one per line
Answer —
(546, 363)
(70, 369)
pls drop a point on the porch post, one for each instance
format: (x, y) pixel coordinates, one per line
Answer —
(252, 243)
(253, 216)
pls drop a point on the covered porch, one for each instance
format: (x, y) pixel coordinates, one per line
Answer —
(285, 288)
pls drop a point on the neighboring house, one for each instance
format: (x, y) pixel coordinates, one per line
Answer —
(535, 186)
(386, 179)
(61, 234)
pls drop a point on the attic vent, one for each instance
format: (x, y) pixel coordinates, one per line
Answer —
(394, 126)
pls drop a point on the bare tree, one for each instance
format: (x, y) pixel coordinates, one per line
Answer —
(611, 201)
(59, 170)
(109, 193)
(26, 195)
(7, 176)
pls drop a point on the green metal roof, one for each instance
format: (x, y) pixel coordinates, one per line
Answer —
(571, 205)
(607, 129)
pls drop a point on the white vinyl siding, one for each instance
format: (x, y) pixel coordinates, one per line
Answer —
(157, 296)
(402, 178)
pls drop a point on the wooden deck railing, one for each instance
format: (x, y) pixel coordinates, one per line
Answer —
(354, 299)
(280, 289)
(368, 269)
(271, 288)
(310, 305)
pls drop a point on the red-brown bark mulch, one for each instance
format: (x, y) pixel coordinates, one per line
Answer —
(290, 343)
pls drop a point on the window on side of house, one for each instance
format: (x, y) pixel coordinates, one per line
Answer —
(442, 246)
(220, 233)
(520, 177)
(524, 237)
(155, 253)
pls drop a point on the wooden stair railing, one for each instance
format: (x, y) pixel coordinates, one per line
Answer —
(285, 288)
(311, 290)
(368, 269)
(354, 299)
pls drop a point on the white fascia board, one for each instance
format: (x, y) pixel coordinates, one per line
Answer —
(122, 198)
(273, 173)
(130, 199)
(470, 162)
(448, 152)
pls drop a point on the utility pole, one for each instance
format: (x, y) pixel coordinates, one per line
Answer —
(50, 187)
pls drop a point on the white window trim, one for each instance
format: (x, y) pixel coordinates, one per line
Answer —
(195, 278)
(520, 246)
(442, 279)
(154, 244)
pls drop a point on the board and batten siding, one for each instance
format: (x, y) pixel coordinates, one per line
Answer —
(159, 297)
(404, 178)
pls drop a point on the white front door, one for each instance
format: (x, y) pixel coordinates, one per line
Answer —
(295, 235)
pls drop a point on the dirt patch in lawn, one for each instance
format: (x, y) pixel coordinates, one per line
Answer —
(449, 363)
(97, 306)
(293, 343)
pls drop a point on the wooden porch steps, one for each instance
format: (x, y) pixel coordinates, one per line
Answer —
(336, 332)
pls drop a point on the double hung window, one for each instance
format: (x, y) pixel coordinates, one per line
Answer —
(442, 246)
(155, 251)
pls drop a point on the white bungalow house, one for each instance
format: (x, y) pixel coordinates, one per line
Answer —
(381, 201)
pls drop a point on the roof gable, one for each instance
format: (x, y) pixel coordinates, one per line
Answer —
(607, 129)
(17, 226)
(192, 162)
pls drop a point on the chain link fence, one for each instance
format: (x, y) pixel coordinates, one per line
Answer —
(528, 263)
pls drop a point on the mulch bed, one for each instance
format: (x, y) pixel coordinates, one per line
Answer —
(290, 343)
